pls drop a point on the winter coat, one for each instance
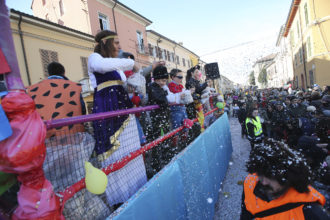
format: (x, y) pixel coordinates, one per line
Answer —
(297, 112)
(241, 115)
(159, 117)
(197, 85)
(317, 104)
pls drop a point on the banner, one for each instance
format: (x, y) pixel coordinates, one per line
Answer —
(188, 187)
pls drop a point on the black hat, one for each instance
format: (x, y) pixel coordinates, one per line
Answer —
(160, 72)
(274, 159)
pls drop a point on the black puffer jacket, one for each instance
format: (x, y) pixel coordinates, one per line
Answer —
(159, 117)
(196, 84)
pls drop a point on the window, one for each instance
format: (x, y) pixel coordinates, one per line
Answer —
(300, 55)
(154, 54)
(140, 42)
(298, 30)
(309, 47)
(183, 62)
(178, 60)
(292, 38)
(152, 51)
(159, 53)
(60, 3)
(306, 14)
(168, 56)
(104, 23)
(311, 77)
(164, 54)
(172, 57)
(84, 66)
(47, 56)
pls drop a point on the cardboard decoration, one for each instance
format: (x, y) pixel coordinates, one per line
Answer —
(4, 67)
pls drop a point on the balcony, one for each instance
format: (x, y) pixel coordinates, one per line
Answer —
(141, 49)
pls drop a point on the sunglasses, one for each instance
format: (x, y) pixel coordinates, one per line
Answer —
(179, 77)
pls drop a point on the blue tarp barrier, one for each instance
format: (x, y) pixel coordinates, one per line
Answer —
(188, 187)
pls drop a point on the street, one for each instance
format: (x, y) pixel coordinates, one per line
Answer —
(230, 194)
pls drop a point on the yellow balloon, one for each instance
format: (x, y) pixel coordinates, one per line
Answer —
(95, 179)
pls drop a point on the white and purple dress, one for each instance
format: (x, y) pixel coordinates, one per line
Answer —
(115, 137)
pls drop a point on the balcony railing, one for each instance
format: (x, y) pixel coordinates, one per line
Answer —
(141, 49)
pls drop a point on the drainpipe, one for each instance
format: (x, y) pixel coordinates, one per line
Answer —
(113, 14)
(23, 49)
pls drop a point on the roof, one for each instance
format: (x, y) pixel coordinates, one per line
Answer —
(172, 41)
(270, 57)
(13, 11)
(292, 13)
(280, 35)
(121, 4)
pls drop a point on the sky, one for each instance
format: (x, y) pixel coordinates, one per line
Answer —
(210, 25)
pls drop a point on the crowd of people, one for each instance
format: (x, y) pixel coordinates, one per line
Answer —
(119, 83)
(288, 131)
(289, 134)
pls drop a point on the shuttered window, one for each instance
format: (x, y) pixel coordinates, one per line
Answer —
(47, 56)
(84, 66)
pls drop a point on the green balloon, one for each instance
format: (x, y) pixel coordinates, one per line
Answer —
(219, 105)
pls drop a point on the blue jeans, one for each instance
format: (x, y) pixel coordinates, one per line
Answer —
(178, 115)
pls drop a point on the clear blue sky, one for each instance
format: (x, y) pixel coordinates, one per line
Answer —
(205, 26)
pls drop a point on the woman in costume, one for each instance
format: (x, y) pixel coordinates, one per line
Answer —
(114, 137)
(193, 80)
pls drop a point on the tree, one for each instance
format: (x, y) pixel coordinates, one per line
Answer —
(252, 79)
(262, 78)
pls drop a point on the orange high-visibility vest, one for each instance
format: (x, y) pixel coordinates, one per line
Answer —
(256, 206)
(55, 99)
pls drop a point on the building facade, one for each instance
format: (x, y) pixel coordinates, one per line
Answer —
(308, 31)
(93, 16)
(283, 60)
(39, 42)
(259, 66)
(174, 54)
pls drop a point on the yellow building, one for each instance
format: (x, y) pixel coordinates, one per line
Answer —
(39, 42)
(308, 29)
(174, 54)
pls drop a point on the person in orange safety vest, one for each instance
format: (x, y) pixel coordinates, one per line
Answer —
(278, 186)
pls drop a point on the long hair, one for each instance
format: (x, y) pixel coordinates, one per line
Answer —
(275, 160)
(105, 47)
(191, 71)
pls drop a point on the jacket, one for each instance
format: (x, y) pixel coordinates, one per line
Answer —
(291, 205)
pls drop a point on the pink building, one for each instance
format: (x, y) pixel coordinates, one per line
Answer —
(94, 15)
